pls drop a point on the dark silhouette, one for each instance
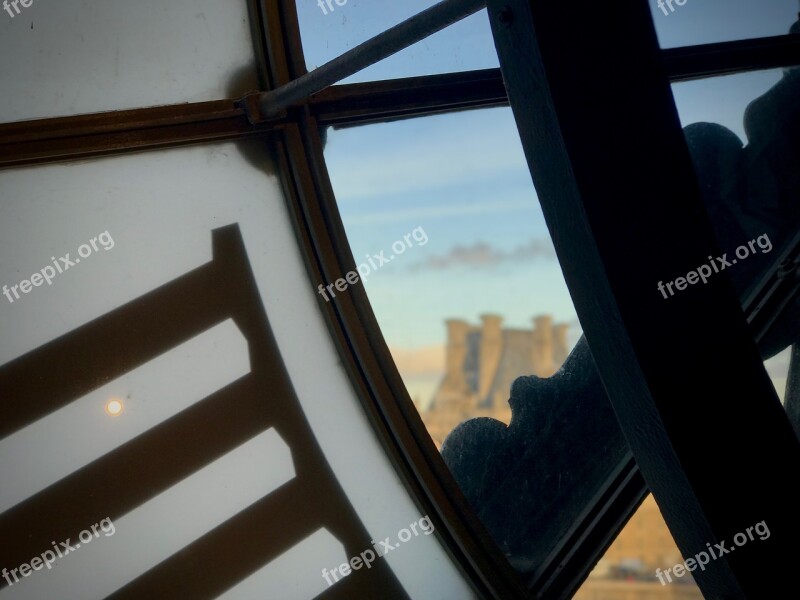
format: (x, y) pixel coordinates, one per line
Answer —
(529, 481)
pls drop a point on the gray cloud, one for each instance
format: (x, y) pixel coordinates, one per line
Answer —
(482, 254)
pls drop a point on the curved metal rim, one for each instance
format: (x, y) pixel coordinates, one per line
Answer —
(364, 352)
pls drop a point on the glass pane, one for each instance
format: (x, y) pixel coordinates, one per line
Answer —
(628, 568)
(484, 246)
(690, 22)
(164, 349)
(73, 57)
(328, 30)
(743, 132)
(478, 317)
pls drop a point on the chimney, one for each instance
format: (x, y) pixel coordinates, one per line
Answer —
(455, 355)
(543, 346)
(491, 347)
(560, 345)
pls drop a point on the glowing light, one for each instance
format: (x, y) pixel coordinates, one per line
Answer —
(114, 407)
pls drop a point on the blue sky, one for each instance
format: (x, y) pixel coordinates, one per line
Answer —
(463, 177)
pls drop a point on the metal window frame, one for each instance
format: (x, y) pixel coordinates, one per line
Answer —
(320, 231)
(364, 352)
(99, 134)
(613, 175)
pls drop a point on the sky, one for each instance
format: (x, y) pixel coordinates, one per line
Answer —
(462, 177)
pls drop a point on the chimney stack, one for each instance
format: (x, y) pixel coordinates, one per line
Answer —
(456, 354)
(560, 345)
(543, 346)
(491, 348)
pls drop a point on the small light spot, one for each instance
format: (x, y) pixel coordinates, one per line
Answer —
(114, 407)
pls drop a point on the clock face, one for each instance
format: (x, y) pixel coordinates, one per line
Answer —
(166, 378)
(206, 392)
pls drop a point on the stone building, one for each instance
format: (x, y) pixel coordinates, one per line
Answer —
(481, 363)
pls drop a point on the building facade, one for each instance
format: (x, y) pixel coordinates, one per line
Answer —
(481, 363)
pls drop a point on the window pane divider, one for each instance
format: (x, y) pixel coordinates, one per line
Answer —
(82, 136)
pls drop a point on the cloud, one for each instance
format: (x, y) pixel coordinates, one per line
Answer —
(482, 254)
